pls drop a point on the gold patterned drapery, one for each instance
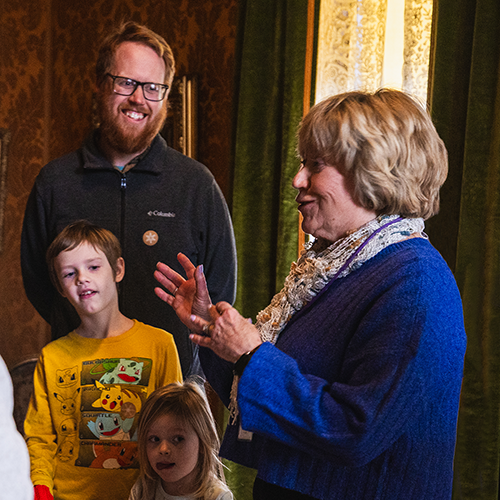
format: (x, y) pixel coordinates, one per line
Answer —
(351, 46)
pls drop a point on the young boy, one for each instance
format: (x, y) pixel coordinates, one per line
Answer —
(89, 386)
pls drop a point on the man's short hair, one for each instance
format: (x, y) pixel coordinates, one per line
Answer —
(133, 32)
(385, 143)
(74, 235)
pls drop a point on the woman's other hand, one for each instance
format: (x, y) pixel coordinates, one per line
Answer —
(230, 335)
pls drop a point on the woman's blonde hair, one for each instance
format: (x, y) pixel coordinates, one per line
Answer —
(385, 143)
(187, 402)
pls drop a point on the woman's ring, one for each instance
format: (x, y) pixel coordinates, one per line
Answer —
(175, 291)
(206, 328)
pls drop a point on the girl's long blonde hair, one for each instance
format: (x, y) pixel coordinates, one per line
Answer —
(187, 402)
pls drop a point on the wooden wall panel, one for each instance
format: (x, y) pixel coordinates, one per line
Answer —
(47, 58)
(23, 110)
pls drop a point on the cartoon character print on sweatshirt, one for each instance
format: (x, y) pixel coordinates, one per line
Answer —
(67, 403)
(65, 451)
(126, 371)
(67, 433)
(114, 455)
(67, 377)
(111, 426)
(113, 392)
(68, 427)
(115, 398)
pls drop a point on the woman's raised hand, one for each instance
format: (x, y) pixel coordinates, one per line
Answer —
(220, 328)
(188, 296)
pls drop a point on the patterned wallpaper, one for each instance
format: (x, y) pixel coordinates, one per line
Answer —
(47, 57)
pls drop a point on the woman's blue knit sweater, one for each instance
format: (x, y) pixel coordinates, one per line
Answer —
(359, 398)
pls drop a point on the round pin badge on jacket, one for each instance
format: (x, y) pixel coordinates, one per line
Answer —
(150, 238)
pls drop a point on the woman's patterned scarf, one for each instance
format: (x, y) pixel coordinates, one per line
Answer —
(313, 271)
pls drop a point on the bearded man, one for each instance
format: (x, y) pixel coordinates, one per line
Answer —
(125, 178)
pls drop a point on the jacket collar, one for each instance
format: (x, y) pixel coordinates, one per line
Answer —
(149, 161)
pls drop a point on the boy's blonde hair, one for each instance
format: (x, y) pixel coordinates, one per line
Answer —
(74, 235)
(187, 402)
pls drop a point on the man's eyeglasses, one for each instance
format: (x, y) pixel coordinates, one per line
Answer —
(126, 86)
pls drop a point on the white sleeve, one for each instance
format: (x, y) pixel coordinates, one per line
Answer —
(15, 482)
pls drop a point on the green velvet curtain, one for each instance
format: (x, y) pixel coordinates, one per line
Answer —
(269, 109)
(270, 95)
(465, 105)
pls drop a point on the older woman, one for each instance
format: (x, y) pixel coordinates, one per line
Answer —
(348, 385)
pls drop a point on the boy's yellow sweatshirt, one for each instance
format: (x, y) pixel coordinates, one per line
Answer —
(81, 423)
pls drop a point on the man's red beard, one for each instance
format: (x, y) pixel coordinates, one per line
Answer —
(123, 139)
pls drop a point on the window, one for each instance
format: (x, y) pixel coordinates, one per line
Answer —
(367, 44)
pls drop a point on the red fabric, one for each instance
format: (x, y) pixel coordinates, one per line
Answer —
(42, 492)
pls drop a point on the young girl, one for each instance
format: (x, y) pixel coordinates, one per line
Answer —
(178, 447)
